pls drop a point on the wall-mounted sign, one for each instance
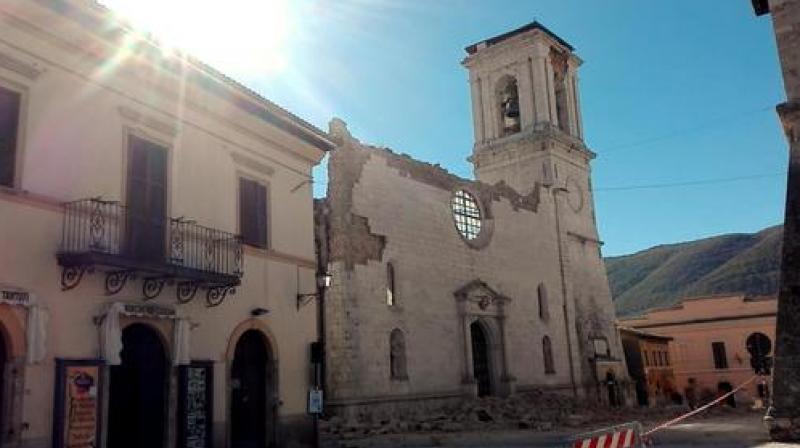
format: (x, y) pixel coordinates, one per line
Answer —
(148, 310)
(15, 297)
(77, 404)
(195, 404)
(315, 401)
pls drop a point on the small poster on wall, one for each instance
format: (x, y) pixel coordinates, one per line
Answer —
(77, 404)
(195, 405)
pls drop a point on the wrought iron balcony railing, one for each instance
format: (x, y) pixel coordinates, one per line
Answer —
(108, 236)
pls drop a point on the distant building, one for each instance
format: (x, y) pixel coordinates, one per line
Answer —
(649, 366)
(713, 342)
(156, 227)
(446, 287)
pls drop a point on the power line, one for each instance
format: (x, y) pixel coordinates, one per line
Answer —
(721, 180)
(677, 133)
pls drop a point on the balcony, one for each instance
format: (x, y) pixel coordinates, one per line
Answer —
(105, 236)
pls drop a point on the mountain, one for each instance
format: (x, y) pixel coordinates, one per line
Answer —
(663, 275)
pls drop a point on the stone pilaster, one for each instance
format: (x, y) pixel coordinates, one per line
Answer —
(783, 417)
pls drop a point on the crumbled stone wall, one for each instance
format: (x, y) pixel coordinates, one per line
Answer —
(384, 207)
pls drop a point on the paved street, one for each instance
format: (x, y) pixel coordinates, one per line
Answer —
(726, 431)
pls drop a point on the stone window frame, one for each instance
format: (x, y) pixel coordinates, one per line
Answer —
(543, 301)
(398, 366)
(23, 91)
(487, 222)
(391, 284)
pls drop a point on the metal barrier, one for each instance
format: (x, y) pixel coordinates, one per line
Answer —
(620, 436)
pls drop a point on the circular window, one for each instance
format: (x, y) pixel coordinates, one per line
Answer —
(467, 215)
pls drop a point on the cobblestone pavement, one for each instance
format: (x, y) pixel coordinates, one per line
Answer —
(739, 430)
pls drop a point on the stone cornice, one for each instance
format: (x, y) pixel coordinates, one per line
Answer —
(30, 70)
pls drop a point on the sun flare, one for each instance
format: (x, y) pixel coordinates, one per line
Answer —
(245, 37)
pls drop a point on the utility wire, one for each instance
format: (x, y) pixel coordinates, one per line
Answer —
(721, 180)
(677, 133)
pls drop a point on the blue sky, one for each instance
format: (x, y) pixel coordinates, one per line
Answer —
(672, 91)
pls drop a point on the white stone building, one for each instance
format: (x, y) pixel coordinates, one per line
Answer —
(127, 175)
(445, 287)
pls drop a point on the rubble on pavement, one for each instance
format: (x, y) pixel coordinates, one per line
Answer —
(536, 411)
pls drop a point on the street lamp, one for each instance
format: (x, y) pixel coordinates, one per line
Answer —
(323, 282)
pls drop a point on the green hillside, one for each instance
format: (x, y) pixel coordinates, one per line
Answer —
(662, 275)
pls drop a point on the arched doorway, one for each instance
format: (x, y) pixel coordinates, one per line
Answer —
(480, 359)
(252, 394)
(138, 391)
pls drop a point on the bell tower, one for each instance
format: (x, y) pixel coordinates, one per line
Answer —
(525, 106)
(528, 131)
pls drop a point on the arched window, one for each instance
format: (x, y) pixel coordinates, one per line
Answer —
(541, 294)
(390, 292)
(547, 353)
(397, 355)
(559, 64)
(508, 101)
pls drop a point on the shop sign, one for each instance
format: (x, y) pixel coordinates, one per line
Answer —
(77, 404)
(195, 404)
(134, 309)
(15, 297)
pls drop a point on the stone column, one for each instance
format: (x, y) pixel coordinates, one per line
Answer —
(526, 94)
(506, 379)
(783, 416)
(477, 110)
(468, 379)
(579, 119)
(551, 92)
(490, 118)
(541, 94)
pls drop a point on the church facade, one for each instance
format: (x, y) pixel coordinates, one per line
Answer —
(445, 287)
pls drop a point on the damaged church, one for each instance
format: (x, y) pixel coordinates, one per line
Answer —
(445, 287)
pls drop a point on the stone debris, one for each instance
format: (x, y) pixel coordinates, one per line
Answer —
(535, 410)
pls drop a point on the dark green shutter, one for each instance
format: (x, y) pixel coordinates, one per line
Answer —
(9, 122)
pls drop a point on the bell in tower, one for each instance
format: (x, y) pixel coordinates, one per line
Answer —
(509, 106)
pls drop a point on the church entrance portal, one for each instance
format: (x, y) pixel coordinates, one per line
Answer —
(480, 359)
(252, 412)
(137, 405)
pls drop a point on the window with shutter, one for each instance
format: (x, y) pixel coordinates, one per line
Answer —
(146, 199)
(720, 357)
(9, 123)
(253, 213)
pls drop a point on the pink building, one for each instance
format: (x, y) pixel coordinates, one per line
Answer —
(713, 342)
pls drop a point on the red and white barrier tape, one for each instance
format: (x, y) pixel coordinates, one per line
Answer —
(698, 410)
(624, 438)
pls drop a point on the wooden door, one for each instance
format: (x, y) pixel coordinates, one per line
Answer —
(480, 360)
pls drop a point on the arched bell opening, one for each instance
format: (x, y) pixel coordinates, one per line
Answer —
(508, 105)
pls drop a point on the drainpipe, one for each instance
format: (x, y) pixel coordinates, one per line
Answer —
(562, 270)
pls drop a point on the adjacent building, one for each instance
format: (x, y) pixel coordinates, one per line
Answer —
(156, 237)
(713, 341)
(649, 366)
(446, 287)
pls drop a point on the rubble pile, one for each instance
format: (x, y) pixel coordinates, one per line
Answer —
(536, 410)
